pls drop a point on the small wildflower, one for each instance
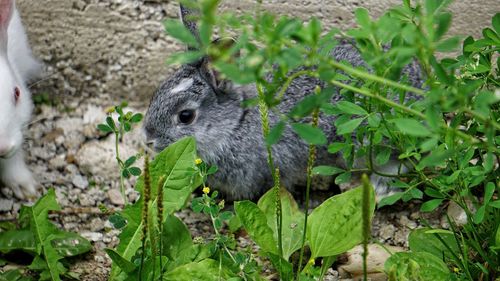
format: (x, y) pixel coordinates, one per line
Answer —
(221, 204)
(198, 161)
(311, 262)
(206, 190)
(110, 109)
(198, 240)
(456, 269)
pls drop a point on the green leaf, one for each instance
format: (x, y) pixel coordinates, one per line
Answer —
(177, 242)
(495, 22)
(255, 222)
(176, 29)
(336, 225)
(205, 270)
(275, 133)
(131, 160)
(119, 261)
(428, 240)
(479, 215)
(349, 126)
(416, 266)
(135, 171)
(104, 128)
(431, 205)
(117, 221)
(343, 178)
(44, 232)
(136, 118)
(448, 45)
(292, 219)
(284, 268)
(327, 170)
(336, 147)
(111, 122)
(383, 156)
(390, 200)
(489, 189)
(17, 240)
(185, 57)
(362, 17)
(351, 108)
(310, 134)
(69, 244)
(411, 127)
(176, 164)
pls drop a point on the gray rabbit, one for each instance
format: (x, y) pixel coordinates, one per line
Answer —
(194, 102)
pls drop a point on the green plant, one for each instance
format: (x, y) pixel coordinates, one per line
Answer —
(43, 241)
(444, 134)
(119, 129)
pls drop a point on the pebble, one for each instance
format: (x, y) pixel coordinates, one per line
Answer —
(80, 181)
(116, 197)
(92, 236)
(6, 205)
(387, 232)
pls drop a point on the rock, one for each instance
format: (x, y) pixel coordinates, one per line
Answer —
(6, 205)
(377, 256)
(80, 182)
(457, 214)
(98, 157)
(96, 224)
(58, 162)
(404, 221)
(116, 197)
(387, 231)
(92, 236)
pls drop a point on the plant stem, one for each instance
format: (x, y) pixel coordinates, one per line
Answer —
(120, 166)
(310, 164)
(264, 116)
(366, 222)
(375, 78)
(396, 105)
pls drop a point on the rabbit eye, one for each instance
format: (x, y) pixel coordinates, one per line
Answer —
(186, 116)
(17, 93)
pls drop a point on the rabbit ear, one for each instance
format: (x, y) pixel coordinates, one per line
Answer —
(188, 18)
(219, 47)
(6, 9)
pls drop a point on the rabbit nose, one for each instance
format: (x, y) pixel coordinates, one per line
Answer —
(6, 149)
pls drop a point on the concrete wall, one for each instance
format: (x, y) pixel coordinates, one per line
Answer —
(118, 47)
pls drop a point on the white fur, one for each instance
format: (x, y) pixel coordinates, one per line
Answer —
(183, 85)
(17, 65)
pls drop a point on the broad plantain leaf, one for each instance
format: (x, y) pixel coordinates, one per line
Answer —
(255, 223)
(292, 219)
(336, 225)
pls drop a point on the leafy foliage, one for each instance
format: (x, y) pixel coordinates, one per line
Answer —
(41, 239)
(443, 130)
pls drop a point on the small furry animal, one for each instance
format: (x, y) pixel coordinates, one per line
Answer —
(194, 102)
(17, 65)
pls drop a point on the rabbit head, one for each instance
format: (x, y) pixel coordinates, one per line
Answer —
(194, 101)
(15, 105)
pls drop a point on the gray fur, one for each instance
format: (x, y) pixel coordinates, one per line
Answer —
(230, 136)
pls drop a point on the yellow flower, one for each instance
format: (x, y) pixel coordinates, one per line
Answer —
(311, 262)
(110, 110)
(198, 161)
(206, 190)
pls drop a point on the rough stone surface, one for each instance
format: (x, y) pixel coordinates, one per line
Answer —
(119, 47)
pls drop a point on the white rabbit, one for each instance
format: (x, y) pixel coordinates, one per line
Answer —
(17, 65)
